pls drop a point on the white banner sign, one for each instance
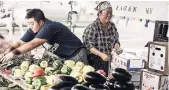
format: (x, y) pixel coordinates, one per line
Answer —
(153, 10)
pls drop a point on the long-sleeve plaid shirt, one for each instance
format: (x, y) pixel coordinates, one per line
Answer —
(94, 36)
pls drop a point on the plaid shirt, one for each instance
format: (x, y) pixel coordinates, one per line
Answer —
(94, 36)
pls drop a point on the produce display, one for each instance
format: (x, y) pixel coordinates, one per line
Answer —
(40, 74)
(8, 85)
(56, 74)
(95, 80)
(5, 84)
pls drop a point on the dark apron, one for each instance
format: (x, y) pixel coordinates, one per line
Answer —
(98, 63)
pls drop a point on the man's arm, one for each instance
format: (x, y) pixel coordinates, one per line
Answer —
(29, 46)
(43, 35)
(17, 44)
(14, 46)
(28, 36)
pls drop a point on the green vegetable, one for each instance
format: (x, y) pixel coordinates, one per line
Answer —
(77, 68)
(66, 70)
(49, 70)
(38, 82)
(28, 75)
(69, 63)
(45, 87)
(57, 72)
(57, 64)
(80, 80)
(24, 65)
(42, 78)
(13, 69)
(44, 64)
(75, 74)
(51, 79)
(80, 64)
(31, 86)
(33, 67)
(18, 73)
(88, 68)
(28, 80)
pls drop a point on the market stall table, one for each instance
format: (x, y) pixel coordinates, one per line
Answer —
(6, 74)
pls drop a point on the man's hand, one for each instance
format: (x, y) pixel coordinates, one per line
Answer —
(104, 57)
(2, 55)
(3, 45)
(7, 57)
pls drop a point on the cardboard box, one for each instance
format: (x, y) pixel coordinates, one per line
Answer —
(158, 57)
(155, 81)
(135, 77)
(127, 61)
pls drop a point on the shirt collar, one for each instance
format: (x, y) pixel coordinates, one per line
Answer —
(47, 21)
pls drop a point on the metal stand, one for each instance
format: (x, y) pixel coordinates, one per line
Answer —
(71, 12)
(70, 15)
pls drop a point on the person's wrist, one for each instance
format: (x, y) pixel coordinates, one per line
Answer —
(101, 55)
(11, 48)
(16, 52)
